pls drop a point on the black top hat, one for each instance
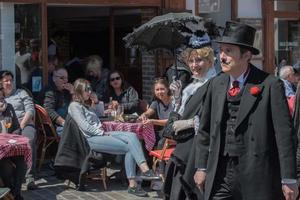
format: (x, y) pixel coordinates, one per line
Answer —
(239, 34)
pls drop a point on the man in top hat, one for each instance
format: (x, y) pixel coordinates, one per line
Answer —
(245, 147)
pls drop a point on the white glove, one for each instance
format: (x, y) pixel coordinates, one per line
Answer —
(196, 124)
(176, 87)
(180, 125)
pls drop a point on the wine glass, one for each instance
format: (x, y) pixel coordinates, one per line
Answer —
(120, 110)
(7, 122)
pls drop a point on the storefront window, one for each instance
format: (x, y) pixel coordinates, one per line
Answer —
(287, 41)
(28, 45)
(287, 5)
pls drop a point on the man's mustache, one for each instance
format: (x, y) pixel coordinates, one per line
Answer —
(224, 62)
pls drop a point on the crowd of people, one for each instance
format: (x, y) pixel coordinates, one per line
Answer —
(235, 138)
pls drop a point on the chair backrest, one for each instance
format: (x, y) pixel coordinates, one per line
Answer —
(167, 145)
(143, 105)
(43, 121)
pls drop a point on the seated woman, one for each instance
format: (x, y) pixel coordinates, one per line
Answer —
(115, 142)
(24, 108)
(58, 98)
(160, 108)
(96, 74)
(119, 92)
(12, 169)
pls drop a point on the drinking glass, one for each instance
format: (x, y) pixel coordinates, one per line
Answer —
(7, 122)
(120, 110)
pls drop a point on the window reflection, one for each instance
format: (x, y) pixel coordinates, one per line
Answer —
(27, 43)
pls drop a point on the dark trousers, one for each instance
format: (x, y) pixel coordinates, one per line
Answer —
(12, 173)
(226, 184)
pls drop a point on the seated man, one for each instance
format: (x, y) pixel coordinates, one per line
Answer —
(58, 98)
(287, 75)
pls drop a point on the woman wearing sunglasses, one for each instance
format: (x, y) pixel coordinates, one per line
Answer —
(120, 92)
(113, 142)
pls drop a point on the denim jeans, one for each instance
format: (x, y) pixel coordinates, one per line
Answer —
(13, 176)
(118, 143)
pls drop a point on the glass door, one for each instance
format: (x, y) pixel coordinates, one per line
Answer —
(287, 41)
(27, 23)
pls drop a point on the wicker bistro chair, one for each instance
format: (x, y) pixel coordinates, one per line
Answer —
(75, 161)
(46, 132)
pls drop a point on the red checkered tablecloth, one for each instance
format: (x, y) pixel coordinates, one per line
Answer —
(21, 147)
(143, 131)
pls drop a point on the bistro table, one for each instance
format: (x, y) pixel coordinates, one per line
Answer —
(15, 145)
(144, 131)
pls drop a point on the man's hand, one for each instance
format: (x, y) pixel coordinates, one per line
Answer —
(69, 87)
(290, 191)
(199, 179)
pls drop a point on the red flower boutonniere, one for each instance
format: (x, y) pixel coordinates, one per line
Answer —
(255, 90)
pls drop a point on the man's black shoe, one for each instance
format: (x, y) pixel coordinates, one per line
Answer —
(149, 176)
(31, 185)
(137, 191)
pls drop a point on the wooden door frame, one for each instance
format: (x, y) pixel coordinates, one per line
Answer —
(269, 14)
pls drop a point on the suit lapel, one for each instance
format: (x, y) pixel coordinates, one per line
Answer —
(221, 91)
(248, 99)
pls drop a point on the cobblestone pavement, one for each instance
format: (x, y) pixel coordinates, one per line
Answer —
(50, 188)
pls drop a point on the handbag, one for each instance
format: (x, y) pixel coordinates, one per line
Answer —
(169, 132)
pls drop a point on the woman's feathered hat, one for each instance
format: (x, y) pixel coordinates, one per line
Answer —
(197, 42)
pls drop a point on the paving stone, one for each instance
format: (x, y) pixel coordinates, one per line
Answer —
(51, 188)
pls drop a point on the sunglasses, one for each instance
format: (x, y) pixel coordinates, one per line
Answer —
(116, 78)
(88, 89)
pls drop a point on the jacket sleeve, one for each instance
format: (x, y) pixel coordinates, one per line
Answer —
(132, 99)
(90, 128)
(49, 105)
(28, 102)
(202, 138)
(284, 133)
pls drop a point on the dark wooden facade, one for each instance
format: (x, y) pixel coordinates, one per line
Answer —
(113, 4)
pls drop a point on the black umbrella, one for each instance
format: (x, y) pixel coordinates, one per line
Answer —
(168, 31)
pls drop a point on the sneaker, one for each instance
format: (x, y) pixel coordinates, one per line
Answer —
(137, 191)
(149, 176)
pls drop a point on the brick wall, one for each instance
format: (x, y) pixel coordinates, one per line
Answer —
(148, 60)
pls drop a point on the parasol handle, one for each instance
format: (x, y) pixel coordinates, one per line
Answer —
(176, 71)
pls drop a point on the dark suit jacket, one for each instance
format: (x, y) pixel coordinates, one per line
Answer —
(265, 122)
(176, 167)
